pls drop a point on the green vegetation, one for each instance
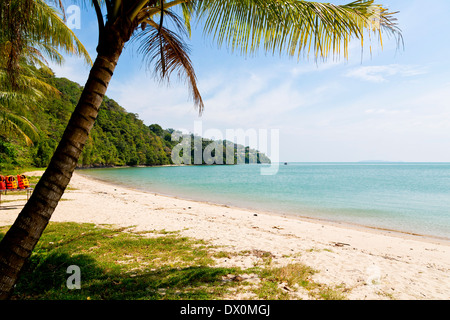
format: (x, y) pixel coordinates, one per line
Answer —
(116, 263)
(32, 33)
(118, 137)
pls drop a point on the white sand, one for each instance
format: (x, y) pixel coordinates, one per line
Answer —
(372, 264)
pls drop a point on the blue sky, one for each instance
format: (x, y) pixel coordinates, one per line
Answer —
(393, 104)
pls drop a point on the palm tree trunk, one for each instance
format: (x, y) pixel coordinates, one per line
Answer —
(21, 238)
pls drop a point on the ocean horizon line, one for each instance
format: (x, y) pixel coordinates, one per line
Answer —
(364, 162)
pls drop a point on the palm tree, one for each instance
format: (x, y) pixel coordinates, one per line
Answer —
(28, 92)
(289, 26)
(31, 31)
(11, 123)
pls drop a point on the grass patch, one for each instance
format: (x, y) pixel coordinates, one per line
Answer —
(20, 170)
(278, 279)
(283, 282)
(291, 274)
(116, 263)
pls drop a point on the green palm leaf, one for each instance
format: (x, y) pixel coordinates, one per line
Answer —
(165, 52)
(292, 27)
(33, 24)
(48, 30)
(19, 125)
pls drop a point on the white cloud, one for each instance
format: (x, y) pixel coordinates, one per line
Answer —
(258, 100)
(382, 111)
(305, 68)
(383, 73)
(73, 68)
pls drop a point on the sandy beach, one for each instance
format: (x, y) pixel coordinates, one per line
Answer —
(373, 264)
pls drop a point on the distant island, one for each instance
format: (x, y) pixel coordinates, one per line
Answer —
(377, 161)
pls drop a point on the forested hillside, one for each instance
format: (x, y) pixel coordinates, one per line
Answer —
(118, 137)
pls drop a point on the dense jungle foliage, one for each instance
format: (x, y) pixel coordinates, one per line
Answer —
(118, 138)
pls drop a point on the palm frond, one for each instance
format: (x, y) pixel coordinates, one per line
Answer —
(27, 84)
(31, 29)
(21, 126)
(50, 30)
(291, 26)
(165, 52)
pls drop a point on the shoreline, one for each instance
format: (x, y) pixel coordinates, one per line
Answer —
(343, 224)
(370, 264)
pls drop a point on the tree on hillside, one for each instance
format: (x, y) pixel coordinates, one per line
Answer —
(156, 129)
(292, 27)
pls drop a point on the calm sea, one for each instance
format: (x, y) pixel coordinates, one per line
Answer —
(408, 197)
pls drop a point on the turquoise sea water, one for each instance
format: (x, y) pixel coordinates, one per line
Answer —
(408, 197)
